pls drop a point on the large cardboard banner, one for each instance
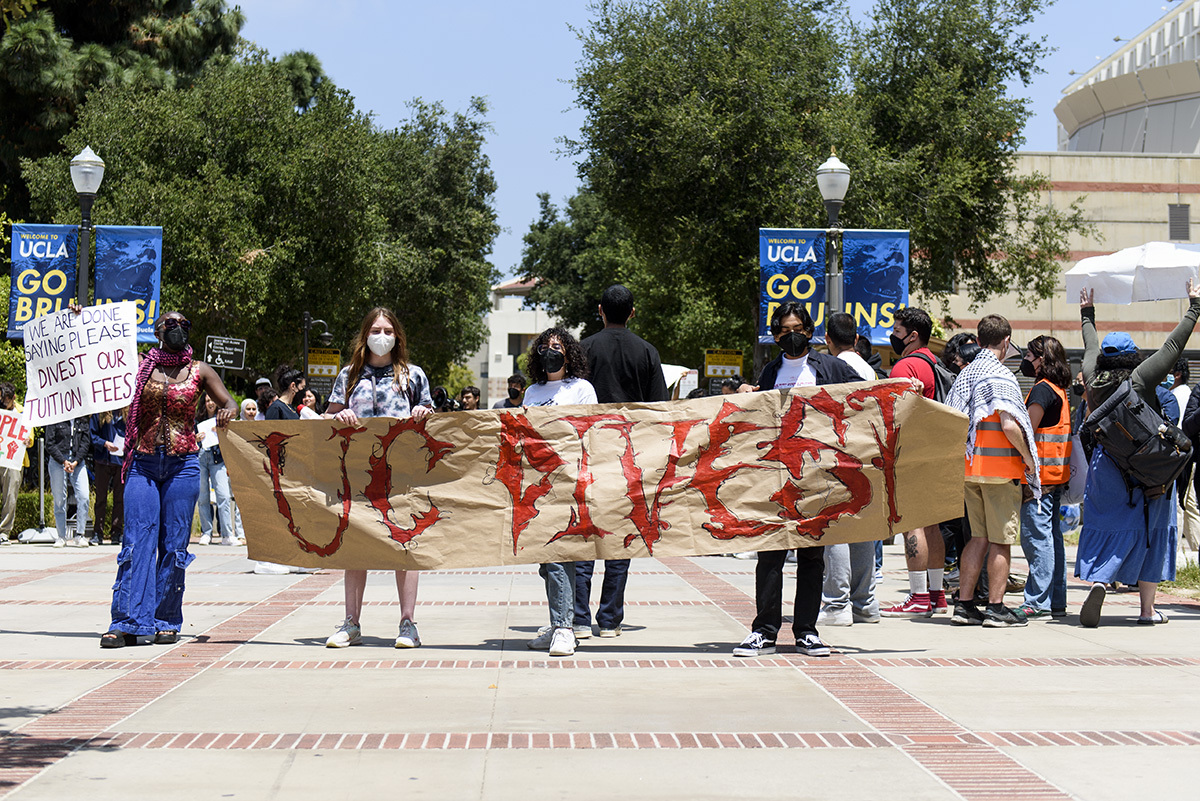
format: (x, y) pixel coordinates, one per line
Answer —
(874, 277)
(79, 364)
(764, 470)
(43, 272)
(129, 267)
(14, 436)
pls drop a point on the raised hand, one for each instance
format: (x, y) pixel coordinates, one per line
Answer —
(1086, 295)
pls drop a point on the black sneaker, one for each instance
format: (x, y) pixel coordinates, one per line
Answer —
(755, 644)
(811, 645)
(966, 614)
(1003, 618)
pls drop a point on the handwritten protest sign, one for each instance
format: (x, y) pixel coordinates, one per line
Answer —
(14, 434)
(79, 364)
(757, 471)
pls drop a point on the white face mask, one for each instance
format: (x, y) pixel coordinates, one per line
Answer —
(381, 344)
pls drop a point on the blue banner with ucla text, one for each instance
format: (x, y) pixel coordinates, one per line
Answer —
(129, 267)
(874, 277)
(43, 272)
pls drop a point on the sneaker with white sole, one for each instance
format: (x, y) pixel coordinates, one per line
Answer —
(59, 542)
(271, 569)
(562, 642)
(408, 637)
(811, 645)
(347, 634)
(615, 631)
(205, 539)
(829, 616)
(755, 644)
(913, 606)
(582, 632)
(81, 542)
(542, 641)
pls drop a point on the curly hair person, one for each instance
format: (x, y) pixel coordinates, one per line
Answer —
(576, 364)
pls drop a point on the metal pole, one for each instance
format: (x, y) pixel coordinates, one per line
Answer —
(42, 482)
(307, 324)
(834, 299)
(85, 248)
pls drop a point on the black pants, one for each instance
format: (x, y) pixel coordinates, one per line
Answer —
(108, 476)
(768, 591)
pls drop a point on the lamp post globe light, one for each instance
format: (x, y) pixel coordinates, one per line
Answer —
(87, 171)
(833, 178)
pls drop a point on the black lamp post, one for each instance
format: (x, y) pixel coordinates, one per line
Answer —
(87, 171)
(833, 178)
(307, 322)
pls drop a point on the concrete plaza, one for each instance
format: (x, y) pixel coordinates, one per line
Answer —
(250, 705)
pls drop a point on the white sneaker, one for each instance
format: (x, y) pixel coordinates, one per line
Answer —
(835, 617)
(542, 641)
(59, 543)
(81, 542)
(347, 634)
(205, 539)
(615, 631)
(562, 642)
(271, 569)
(228, 541)
(746, 555)
(582, 632)
(408, 635)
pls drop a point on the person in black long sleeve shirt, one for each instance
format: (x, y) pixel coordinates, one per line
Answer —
(67, 446)
(624, 369)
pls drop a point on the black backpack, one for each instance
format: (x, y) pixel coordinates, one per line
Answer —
(943, 379)
(1150, 451)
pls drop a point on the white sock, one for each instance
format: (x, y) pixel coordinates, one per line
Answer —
(935, 578)
(916, 582)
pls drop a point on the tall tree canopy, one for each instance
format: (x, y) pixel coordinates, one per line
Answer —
(707, 119)
(268, 211)
(54, 52)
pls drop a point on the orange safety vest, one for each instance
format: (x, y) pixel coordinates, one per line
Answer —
(993, 455)
(1054, 442)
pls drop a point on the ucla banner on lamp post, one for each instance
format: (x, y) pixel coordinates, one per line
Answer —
(874, 277)
(43, 272)
(129, 267)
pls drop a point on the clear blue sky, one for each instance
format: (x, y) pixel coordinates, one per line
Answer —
(520, 53)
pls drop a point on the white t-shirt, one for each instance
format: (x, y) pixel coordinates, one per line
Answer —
(858, 364)
(795, 373)
(1182, 394)
(560, 393)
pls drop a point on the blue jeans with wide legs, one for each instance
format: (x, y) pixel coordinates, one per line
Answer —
(1042, 542)
(214, 474)
(560, 592)
(612, 593)
(58, 487)
(160, 499)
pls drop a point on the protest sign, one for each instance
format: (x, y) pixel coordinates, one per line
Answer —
(129, 267)
(874, 277)
(14, 436)
(43, 272)
(756, 471)
(79, 364)
(1153, 271)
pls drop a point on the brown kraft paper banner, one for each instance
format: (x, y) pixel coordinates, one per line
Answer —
(749, 472)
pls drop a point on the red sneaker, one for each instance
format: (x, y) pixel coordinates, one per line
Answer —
(937, 602)
(913, 606)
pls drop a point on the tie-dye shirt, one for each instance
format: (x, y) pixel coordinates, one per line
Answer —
(376, 394)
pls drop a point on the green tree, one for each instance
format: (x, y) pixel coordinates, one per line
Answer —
(54, 52)
(573, 255)
(268, 212)
(706, 120)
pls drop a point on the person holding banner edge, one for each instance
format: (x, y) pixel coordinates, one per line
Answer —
(162, 482)
(379, 381)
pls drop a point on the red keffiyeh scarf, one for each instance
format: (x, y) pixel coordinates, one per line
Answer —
(157, 357)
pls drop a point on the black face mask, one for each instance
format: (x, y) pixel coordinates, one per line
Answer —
(794, 343)
(513, 393)
(175, 339)
(897, 344)
(1027, 369)
(553, 361)
(1077, 388)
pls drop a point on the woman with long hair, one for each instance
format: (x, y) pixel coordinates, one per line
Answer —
(1126, 537)
(379, 382)
(215, 477)
(559, 370)
(1041, 530)
(162, 480)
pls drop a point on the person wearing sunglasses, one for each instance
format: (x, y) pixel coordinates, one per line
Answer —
(559, 369)
(162, 481)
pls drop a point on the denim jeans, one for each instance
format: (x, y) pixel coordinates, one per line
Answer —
(612, 593)
(1042, 542)
(216, 476)
(160, 499)
(560, 592)
(850, 578)
(58, 486)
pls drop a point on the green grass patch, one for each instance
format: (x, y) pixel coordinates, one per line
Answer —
(1186, 578)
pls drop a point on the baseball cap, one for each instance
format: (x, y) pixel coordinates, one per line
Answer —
(262, 382)
(1118, 342)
